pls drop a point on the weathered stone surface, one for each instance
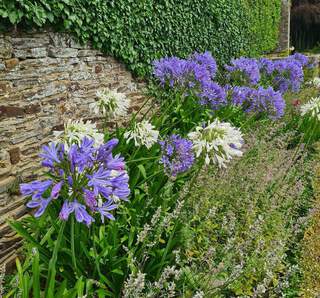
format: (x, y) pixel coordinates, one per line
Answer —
(7, 111)
(86, 53)
(62, 52)
(14, 155)
(11, 63)
(30, 42)
(46, 78)
(30, 53)
(5, 49)
(5, 168)
(6, 183)
(284, 30)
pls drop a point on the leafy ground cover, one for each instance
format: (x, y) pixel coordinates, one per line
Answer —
(208, 196)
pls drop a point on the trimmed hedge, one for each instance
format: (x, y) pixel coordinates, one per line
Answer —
(137, 32)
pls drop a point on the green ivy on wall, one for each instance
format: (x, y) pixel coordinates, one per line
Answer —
(137, 32)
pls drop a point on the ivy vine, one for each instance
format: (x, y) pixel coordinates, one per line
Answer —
(137, 32)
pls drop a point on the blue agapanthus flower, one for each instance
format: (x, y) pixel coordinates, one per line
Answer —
(85, 181)
(214, 95)
(259, 100)
(177, 155)
(244, 69)
(193, 72)
(285, 74)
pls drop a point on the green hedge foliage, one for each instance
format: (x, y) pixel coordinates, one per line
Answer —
(137, 32)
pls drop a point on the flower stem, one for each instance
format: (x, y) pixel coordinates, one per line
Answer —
(74, 262)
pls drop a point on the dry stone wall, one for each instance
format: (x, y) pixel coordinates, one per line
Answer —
(45, 78)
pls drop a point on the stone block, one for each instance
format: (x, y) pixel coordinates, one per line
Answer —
(62, 52)
(87, 53)
(4, 87)
(5, 168)
(5, 49)
(11, 63)
(29, 42)
(14, 155)
(59, 40)
(8, 111)
(6, 183)
(30, 53)
(98, 68)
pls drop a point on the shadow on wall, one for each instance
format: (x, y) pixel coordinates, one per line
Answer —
(305, 24)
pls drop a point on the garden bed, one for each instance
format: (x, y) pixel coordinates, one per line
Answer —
(207, 196)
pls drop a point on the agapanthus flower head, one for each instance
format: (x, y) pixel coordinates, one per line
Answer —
(177, 155)
(92, 180)
(171, 70)
(259, 100)
(76, 130)
(205, 60)
(285, 74)
(311, 108)
(218, 142)
(143, 133)
(245, 69)
(303, 60)
(193, 72)
(111, 103)
(213, 95)
(288, 75)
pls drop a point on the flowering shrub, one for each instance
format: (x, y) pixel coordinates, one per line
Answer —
(285, 74)
(73, 248)
(197, 70)
(245, 70)
(89, 181)
(259, 100)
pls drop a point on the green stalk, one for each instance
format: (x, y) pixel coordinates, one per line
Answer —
(51, 278)
(74, 262)
(36, 274)
(142, 159)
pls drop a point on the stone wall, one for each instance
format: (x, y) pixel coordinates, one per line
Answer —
(284, 30)
(45, 78)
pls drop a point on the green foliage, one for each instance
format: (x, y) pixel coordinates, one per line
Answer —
(264, 17)
(137, 32)
(244, 223)
(310, 255)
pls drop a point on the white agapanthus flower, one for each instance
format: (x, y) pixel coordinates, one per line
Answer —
(111, 103)
(143, 133)
(218, 142)
(312, 107)
(76, 130)
(315, 82)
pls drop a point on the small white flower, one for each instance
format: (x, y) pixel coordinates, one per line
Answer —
(75, 131)
(312, 107)
(315, 82)
(143, 133)
(218, 141)
(110, 103)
